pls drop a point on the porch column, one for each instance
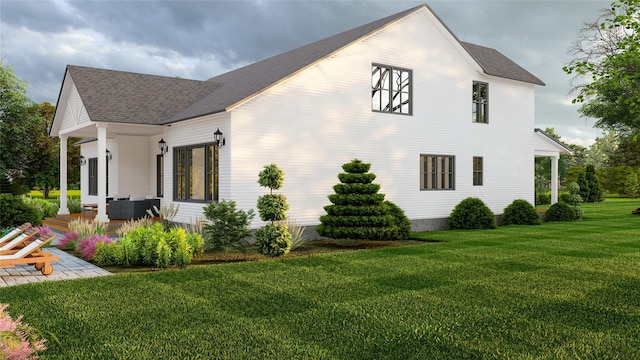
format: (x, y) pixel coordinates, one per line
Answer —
(554, 179)
(64, 209)
(102, 173)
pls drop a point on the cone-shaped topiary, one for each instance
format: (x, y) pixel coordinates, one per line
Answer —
(273, 239)
(358, 211)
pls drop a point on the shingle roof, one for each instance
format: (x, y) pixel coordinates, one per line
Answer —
(126, 97)
(148, 99)
(496, 64)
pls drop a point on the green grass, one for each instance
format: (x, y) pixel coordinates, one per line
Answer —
(554, 291)
(53, 194)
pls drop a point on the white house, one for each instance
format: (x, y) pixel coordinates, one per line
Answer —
(394, 93)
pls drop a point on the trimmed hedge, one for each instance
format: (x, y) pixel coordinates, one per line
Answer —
(560, 211)
(520, 212)
(471, 213)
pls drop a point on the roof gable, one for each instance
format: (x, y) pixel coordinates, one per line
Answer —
(494, 63)
(126, 97)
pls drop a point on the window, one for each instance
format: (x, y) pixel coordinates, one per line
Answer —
(477, 171)
(195, 173)
(480, 102)
(390, 90)
(437, 172)
(93, 176)
(159, 175)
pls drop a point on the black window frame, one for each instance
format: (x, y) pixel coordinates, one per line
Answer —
(480, 102)
(380, 91)
(478, 171)
(435, 178)
(182, 171)
(92, 164)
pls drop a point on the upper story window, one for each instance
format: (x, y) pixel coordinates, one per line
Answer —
(437, 172)
(480, 102)
(390, 89)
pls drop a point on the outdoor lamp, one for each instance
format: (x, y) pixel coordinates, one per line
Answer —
(83, 161)
(109, 156)
(162, 145)
(217, 136)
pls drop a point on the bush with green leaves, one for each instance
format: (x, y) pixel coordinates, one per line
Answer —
(471, 213)
(520, 212)
(560, 211)
(14, 212)
(400, 220)
(358, 212)
(575, 200)
(272, 239)
(227, 228)
(151, 246)
(632, 185)
(44, 207)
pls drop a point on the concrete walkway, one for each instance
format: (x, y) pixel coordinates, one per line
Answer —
(68, 267)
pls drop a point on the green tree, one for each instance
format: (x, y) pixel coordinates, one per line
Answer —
(357, 212)
(273, 239)
(627, 153)
(632, 186)
(605, 68)
(43, 160)
(594, 189)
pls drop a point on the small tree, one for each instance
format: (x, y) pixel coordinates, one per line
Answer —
(632, 186)
(357, 212)
(594, 193)
(575, 199)
(228, 228)
(273, 239)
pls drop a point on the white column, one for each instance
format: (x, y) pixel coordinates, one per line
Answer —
(102, 173)
(554, 179)
(64, 209)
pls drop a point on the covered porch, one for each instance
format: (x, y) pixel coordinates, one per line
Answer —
(547, 146)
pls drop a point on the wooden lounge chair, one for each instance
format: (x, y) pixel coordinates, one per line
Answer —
(15, 232)
(31, 253)
(19, 241)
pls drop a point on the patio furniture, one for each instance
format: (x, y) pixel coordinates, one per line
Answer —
(135, 208)
(15, 232)
(31, 253)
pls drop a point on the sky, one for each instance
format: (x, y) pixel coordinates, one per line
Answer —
(204, 38)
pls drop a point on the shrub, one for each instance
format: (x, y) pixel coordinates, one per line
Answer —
(69, 241)
(357, 211)
(14, 212)
(44, 207)
(400, 220)
(543, 198)
(298, 238)
(471, 213)
(560, 211)
(574, 199)
(18, 340)
(74, 205)
(273, 240)
(228, 228)
(520, 212)
(87, 246)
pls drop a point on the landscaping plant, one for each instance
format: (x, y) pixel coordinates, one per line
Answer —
(575, 199)
(471, 213)
(560, 211)
(15, 212)
(227, 228)
(358, 212)
(17, 339)
(274, 238)
(520, 212)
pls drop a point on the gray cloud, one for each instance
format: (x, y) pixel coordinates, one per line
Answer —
(200, 39)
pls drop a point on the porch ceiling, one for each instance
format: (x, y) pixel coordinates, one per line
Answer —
(90, 130)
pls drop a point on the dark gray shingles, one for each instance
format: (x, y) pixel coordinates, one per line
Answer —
(496, 64)
(125, 97)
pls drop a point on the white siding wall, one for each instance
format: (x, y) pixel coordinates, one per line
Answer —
(75, 113)
(90, 150)
(321, 118)
(193, 132)
(132, 155)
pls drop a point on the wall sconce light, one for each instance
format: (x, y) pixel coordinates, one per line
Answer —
(83, 161)
(109, 156)
(217, 136)
(162, 145)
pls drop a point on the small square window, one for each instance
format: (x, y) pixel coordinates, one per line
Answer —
(437, 172)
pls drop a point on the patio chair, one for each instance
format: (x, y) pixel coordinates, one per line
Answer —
(30, 254)
(15, 232)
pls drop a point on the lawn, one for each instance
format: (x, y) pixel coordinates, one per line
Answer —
(554, 291)
(54, 194)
